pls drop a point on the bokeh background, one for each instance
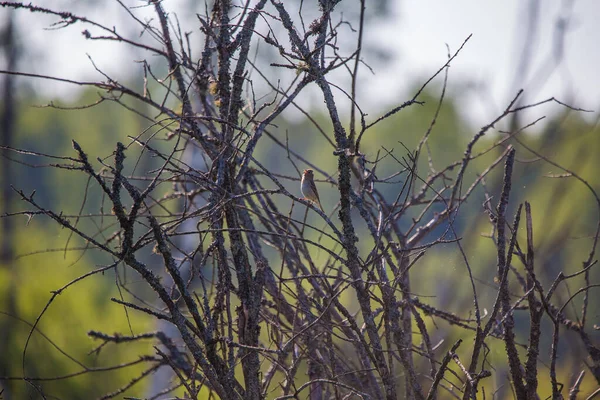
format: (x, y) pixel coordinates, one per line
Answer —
(549, 49)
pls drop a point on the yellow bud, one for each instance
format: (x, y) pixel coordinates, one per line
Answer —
(213, 88)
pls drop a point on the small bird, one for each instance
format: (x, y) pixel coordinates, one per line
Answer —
(309, 189)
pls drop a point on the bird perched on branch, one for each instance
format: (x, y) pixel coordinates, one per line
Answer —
(309, 189)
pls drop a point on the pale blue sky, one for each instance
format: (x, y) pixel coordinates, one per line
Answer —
(493, 53)
(419, 31)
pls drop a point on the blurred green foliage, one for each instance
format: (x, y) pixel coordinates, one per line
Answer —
(565, 214)
(48, 257)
